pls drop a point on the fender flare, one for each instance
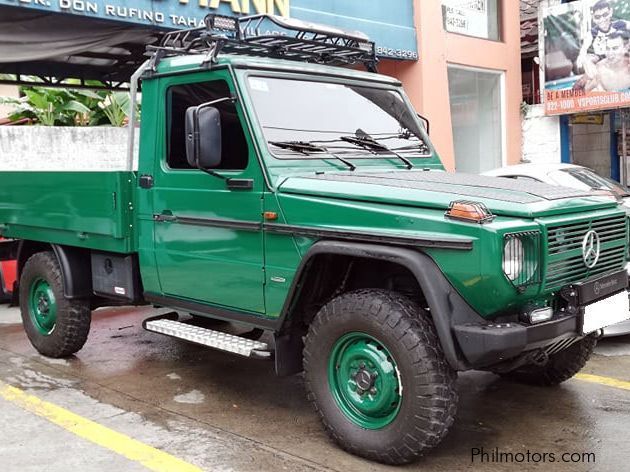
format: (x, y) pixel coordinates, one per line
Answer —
(75, 266)
(446, 305)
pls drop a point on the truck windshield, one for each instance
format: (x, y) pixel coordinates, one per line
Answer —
(325, 114)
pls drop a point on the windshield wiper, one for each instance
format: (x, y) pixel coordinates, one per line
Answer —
(307, 148)
(364, 140)
(407, 135)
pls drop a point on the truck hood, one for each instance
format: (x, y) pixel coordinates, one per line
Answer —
(434, 189)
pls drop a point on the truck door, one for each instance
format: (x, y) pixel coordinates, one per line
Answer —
(207, 234)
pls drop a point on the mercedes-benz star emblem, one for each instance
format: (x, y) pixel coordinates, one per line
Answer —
(590, 249)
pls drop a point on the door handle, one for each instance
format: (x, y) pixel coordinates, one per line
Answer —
(166, 215)
(146, 181)
(240, 184)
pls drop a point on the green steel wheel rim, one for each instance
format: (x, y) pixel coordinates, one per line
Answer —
(364, 380)
(42, 306)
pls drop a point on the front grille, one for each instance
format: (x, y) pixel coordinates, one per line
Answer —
(564, 250)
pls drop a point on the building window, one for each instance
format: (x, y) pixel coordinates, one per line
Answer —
(476, 98)
(478, 18)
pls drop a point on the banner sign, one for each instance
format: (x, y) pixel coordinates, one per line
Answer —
(587, 119)
(468, 17)
(586, 63)
(389, 24)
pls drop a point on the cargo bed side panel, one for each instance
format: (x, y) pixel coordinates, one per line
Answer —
(85, 209)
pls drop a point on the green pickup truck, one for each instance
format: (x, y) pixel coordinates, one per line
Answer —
(303, 201)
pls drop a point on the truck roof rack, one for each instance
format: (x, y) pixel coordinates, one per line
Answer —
(298, 41)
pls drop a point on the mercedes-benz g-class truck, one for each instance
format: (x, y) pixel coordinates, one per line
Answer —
(304, 201)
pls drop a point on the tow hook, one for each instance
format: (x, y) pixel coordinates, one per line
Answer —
(540, 358)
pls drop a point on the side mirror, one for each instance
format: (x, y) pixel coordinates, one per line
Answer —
(425, 123)
(203, 137)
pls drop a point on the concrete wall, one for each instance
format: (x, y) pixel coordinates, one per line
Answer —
(426, 81)
(541, 136)
(590, 146)
(44, 148)
(7, 91)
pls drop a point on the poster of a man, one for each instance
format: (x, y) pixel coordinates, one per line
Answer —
(594, 47)
(587, 56)
(613, 71)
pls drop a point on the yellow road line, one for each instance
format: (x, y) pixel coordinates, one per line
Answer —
(608, 381)
(151, 458)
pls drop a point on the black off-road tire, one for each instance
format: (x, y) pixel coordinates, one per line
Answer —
(73, 316)
(429, 396)
(560, 367)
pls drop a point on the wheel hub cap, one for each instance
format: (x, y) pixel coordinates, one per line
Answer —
(42, 306)
(364, 380)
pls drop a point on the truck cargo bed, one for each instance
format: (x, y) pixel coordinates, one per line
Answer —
(86, 209)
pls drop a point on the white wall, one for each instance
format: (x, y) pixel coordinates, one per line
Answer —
(541, 136)
(47, 148)
(7, 91)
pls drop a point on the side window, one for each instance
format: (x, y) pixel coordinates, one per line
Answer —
(234, 153)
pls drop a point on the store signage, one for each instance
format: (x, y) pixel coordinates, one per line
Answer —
(587, 119)
(585, 62)
(468, 17)
(389, 24)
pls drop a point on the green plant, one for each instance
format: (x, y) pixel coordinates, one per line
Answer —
(67, 107)
(524, 108)
(91, 100)
(48, 106)
(117, 108)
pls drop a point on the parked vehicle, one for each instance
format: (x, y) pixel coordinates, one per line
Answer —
(567, 175)
(7, 279)
(578, 177)
(291, 196)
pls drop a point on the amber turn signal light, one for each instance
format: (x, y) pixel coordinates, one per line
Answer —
(473, 212)
(270, 215)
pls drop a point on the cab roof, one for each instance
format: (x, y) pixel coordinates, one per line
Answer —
(195, 63)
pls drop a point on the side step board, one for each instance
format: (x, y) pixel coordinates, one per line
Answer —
(170, 326)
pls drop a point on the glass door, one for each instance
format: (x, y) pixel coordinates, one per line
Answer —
(476, 99)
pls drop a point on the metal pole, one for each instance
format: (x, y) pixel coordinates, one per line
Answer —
(624, 149)
(133, 90)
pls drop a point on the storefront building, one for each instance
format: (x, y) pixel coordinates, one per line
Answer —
(575, 110)
(468, 80)
(458, 59)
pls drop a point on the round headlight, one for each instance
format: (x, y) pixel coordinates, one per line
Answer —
(513, 255)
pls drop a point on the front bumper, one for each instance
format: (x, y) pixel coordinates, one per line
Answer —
(623, 328)
(486, 343)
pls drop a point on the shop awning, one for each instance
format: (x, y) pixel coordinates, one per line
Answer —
(105, 40)
(54, 47)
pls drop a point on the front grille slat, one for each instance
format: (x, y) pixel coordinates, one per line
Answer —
(577, 270)
(577, 263)
(561, 238)
(576, 240)
(606, 247)
(581, 227)
(567, 280)
(564, 240)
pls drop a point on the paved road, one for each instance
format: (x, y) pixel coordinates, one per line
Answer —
(197, 407)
